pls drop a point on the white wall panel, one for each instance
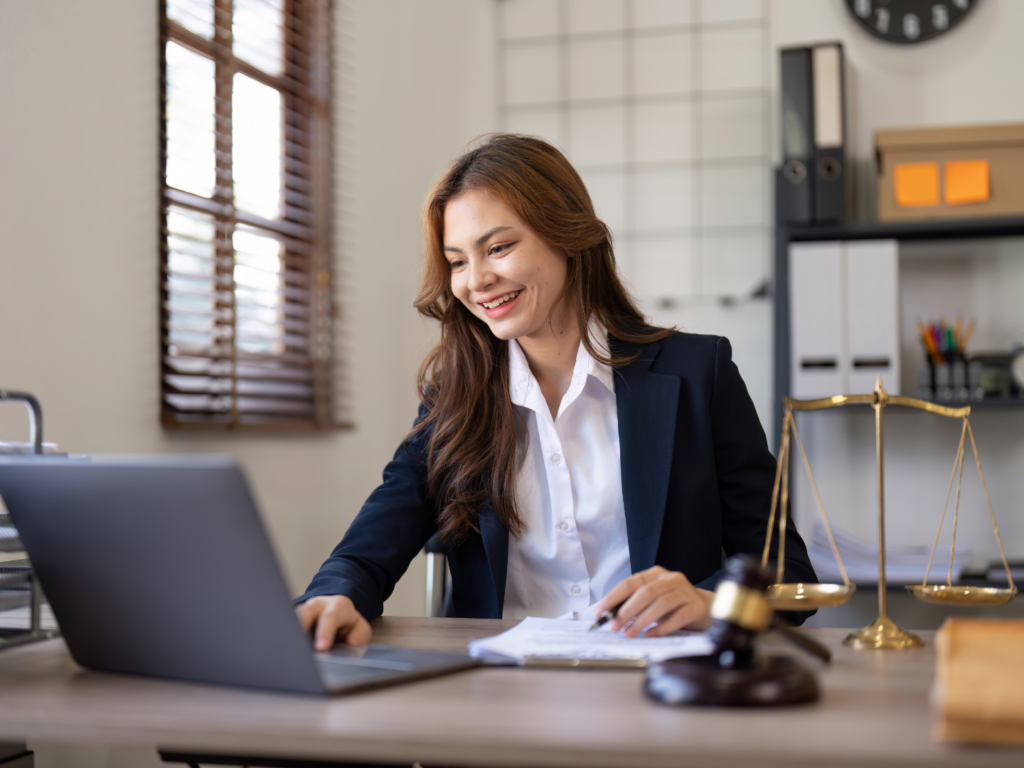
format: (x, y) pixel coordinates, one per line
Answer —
(664, 199)
(595, 15)
(664, 64)
(664, 266)
(596, 69)
(528, 18)
(545, 122)
(732, 59)
(734, 265)
(597, 135)
(664, 132)
(662, 13)
(531, 73)
(735, 197)
(733, 127)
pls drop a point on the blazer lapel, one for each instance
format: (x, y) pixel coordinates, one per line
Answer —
(495, 536)
(647, 404)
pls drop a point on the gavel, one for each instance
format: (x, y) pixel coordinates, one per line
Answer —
(735, 674)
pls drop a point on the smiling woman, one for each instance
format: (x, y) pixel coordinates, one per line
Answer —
(572, 456)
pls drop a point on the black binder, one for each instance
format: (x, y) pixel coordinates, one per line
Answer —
(812, 184)
(794, 197)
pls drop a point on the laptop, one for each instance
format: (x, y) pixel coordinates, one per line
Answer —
(160, 566)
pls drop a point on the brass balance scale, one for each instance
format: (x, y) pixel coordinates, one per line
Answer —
(883, 633)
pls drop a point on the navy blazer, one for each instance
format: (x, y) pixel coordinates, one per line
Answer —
(697, 480)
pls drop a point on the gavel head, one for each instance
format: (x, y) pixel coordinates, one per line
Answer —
(740, 611)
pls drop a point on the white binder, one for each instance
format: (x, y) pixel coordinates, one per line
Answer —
(844, 317)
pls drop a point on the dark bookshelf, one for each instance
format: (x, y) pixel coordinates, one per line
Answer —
(946, 229)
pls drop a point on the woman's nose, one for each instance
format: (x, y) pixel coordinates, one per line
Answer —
(480, 275)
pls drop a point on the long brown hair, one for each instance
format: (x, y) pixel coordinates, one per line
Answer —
(473, 455)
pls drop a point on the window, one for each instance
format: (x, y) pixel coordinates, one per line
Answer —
(245, 289)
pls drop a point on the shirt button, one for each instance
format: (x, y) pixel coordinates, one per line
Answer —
(576, 591)
(564, 526)
(556, 459)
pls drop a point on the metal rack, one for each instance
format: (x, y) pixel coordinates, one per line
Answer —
(21, 588)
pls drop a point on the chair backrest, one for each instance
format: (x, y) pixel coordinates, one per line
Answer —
(439, 583)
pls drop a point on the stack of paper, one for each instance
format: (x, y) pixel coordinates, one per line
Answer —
(903, 565)
(979, 681)
(556, 640)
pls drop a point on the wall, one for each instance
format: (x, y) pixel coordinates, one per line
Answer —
(79, 256)
(968, 76)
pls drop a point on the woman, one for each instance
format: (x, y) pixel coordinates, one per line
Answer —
(571, 455)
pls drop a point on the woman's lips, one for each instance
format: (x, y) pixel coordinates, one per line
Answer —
(503, 310)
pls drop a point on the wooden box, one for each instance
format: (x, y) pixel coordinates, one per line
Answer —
(945, 173)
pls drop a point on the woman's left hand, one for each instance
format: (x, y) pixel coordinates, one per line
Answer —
(657, 595)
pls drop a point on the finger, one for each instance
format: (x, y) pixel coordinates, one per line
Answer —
(619, 593)
(627, 587)
(683, 616)
(667, 602)
(326, 630)
(639, 601)
(307, 612)
(360, 633)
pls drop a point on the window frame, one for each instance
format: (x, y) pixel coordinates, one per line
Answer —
(304, 222)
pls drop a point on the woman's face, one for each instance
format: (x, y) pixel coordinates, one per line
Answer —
(501, 269)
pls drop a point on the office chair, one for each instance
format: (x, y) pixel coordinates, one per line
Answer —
(439, 580)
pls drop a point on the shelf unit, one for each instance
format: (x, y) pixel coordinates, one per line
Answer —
(955, 229)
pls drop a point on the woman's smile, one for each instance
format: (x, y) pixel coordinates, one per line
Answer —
(500, 306)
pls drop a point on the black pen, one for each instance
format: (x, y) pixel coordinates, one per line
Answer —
(606, 616)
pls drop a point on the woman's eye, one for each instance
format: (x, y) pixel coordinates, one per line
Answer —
(453, 265)
(496, 249)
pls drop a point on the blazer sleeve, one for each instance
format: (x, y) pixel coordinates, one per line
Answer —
(746, 474)
(391, 528)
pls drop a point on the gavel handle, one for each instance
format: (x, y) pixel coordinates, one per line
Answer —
(801, 641)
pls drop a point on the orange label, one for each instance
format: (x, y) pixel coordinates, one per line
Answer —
(966, 182)
(917, 184)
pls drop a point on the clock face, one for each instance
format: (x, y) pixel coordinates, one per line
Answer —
(909, 21)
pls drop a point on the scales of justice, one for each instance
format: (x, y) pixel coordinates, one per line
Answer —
(883, 633)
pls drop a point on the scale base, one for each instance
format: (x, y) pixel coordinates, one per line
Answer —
(883, 634)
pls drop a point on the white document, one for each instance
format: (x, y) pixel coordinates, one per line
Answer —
(551, 639)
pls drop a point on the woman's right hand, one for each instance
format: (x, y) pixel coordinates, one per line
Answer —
(333, 616)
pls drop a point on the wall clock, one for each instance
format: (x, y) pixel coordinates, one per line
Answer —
(909, 21)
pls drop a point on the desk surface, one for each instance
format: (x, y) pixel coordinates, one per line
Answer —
(874, 711)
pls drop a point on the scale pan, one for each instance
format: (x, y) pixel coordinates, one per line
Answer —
(803, 597)
(941, 593)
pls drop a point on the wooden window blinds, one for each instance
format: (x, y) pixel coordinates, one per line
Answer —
(245, 289)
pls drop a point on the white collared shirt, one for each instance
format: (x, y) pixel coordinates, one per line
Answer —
(569, 492)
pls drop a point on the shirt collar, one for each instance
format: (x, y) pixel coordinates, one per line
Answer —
(521, 378)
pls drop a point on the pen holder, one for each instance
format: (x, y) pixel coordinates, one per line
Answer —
(734, 674)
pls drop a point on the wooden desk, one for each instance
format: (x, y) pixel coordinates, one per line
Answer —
(874, 711)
